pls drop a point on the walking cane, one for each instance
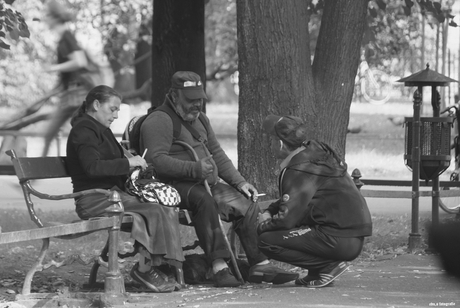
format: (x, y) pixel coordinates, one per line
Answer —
(208, 189)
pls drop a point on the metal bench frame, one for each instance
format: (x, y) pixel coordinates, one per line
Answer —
(34, 168)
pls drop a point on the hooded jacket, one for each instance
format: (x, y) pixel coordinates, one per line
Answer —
(316, 191)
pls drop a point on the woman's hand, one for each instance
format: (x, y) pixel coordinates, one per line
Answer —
(137, 161)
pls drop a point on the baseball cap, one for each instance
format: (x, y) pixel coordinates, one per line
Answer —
(190, 84)
(289, 129)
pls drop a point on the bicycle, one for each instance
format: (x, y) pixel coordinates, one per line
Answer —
(451, 205)
(373, 85)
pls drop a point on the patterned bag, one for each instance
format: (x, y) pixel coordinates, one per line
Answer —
(144, 185)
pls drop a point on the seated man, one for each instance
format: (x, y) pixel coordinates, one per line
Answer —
(321, 219)
(189, 170)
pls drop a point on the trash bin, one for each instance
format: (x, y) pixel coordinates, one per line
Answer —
(435, 146)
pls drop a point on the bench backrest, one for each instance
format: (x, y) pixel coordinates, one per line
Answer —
(34, 168)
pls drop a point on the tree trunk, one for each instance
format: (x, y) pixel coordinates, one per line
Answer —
(177, 43)
(335, 65)
(276, 76)
(274, 67)
(144, 66)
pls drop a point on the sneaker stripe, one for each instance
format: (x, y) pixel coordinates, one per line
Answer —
(326, 279)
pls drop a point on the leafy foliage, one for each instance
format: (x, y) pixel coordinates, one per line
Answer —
(394, 26)
(12, 23)
(24, 80)
(221, 47)
(116, 29)
(117, 25)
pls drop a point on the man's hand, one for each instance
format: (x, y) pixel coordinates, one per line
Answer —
(264, 216)
(249, 191)
(263, 226)
(206, 166)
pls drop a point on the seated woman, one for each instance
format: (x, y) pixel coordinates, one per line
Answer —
(95, 160)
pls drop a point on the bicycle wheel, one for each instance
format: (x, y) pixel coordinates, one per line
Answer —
(376, 87)
(451, 205)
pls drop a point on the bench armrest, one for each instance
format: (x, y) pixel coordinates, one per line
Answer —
(28, 190)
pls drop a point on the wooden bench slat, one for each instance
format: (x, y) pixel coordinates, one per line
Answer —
(7, 170)
(34, 168)
(55, 231)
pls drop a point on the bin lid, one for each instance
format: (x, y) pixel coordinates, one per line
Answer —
(426, 77)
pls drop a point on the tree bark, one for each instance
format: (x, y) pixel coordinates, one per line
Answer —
(335, 65)
(277, 77)
(143, 67)
(274, 66)
(177, 43)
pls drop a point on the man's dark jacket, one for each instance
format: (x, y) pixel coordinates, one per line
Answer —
(317, 191)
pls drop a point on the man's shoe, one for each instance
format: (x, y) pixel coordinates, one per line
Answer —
(152, 280)
(270, 273)
(306, 279)
(327, 278)
(225, 278)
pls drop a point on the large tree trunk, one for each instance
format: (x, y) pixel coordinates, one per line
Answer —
(144, 66)
(274, 66)
(177, 43)
(334, 68)
(276, 76)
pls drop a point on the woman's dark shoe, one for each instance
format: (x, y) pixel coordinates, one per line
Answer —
(152, 280)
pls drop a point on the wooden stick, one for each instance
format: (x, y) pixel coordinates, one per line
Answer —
(208, 189)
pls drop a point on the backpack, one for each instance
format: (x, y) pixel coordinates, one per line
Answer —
(132, 133)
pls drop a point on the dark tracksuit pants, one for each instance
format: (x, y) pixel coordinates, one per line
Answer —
(232, 206)
(309, 248)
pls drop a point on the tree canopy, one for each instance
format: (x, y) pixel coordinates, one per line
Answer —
(11, 22)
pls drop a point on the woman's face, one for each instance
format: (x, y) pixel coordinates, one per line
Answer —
(107, 112)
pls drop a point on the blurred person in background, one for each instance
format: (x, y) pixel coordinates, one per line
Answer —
(71, 60)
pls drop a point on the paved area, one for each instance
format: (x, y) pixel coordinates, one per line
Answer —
(408, 280)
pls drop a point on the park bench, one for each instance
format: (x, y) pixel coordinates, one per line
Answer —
(36, 168)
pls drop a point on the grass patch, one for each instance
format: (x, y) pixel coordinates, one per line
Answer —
(390, 235)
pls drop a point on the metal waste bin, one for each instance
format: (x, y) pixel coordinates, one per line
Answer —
(435, 146)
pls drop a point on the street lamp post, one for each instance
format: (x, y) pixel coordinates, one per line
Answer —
(430, 156)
